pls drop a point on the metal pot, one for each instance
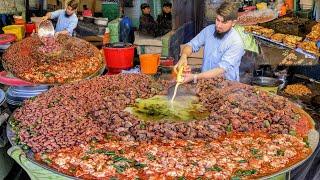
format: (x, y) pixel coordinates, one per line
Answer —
(101, 21)
(266, 81)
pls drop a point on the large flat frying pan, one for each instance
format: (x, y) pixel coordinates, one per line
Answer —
(313, 138)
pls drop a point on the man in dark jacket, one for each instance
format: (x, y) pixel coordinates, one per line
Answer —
(164, 20)
(147, 24)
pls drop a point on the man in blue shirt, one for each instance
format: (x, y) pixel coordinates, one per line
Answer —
(223, 47)
(67, 19)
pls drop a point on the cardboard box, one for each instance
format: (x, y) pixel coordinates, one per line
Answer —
(194, 61)
(52, 2)
(198, 54)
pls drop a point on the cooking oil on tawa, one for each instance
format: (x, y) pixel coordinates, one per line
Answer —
(160, 108)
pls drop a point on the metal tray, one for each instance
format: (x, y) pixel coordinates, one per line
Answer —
(97, 73)
(30, 155)
(307, 54)
(313, 138)
(266, 81)
(305, 100)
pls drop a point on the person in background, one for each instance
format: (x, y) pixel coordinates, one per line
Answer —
(164, 20)
(223, 47)
(67, 18)
(3, 19)
(86, 12)
(147, 24)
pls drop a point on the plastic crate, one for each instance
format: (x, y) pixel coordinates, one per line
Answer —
(17, 30)
(304, 14)
(110, 10)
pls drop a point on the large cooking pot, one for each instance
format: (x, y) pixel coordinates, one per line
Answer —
(266, 81)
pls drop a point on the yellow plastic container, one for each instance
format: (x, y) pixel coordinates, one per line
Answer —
(261, 6)
(17, 30)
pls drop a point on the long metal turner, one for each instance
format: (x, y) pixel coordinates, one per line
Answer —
(180, 91)
(179, 81)
(183, 91)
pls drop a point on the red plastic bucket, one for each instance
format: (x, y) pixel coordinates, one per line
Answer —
(30, 27)
(118, 59)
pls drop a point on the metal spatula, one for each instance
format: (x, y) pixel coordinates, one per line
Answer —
(183, 90)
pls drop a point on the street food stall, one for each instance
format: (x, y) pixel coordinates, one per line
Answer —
(75, 120)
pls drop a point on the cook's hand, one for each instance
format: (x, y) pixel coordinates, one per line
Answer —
(187, 69)
(57, 34)
(188, 77)
(64, 32)
(44, 18)
(182, 62)
(34, 33)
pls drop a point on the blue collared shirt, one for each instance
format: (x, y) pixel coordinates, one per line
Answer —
(225, 53)
(64, 23)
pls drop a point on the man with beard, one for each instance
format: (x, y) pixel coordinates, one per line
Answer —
(67, 19)
(164, 20)
(223, 47)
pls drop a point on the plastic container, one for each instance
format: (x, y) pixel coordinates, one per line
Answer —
(106, 36)
(30, 27)
(114, 39)
(118, 59)
(306, 7)
(17, 30)
(125, 28)
(167, 61)
(110, 10)
(306, 4)
(290, 4)
(6, 39)
(18, 20)
(261, 6)
(283, 10)
(114, 27)
(149, 63)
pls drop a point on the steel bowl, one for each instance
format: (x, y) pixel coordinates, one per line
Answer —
(266, 81)
(101, 21)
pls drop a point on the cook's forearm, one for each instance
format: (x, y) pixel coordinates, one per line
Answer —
(48, 15)
(66, 32)
(186, 51)
(211, 74)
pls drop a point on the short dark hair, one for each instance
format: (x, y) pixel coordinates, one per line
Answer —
(73, 4)
(144, 5)
(167, 4)
(228, 11)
